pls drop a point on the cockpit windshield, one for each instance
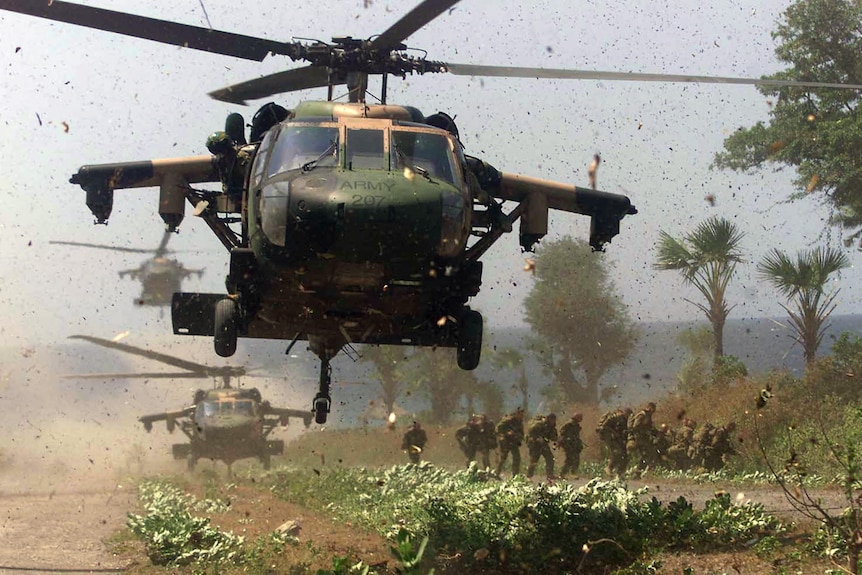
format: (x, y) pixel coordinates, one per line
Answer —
(365, 150)
(207, 409)
(422, 150)
(304, 147)
(213, 408)
(244, 407)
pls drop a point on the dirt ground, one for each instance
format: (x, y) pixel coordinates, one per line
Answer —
(61, 526)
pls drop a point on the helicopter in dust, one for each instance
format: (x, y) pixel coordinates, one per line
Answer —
(161, 276)
(346, 222)
(224, 424)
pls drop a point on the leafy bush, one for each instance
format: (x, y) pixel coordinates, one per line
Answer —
(172, 536)
(514, 522)
(727, 369)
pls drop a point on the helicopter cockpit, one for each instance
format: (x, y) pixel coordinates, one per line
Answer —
(379, 166)
(308, 147)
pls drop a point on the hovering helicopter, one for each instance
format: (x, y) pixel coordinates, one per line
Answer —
(160, 275)
(225, 423)
(346, 222)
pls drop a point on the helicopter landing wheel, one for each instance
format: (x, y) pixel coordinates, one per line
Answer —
(321, 408)
(226, 320)
(469, 340)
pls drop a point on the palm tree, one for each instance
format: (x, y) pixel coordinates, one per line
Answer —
(707, 259)
(803, 283)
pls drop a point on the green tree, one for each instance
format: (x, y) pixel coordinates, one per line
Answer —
(803, 282)
(388, 362)
(575, 312)
(817, 133)
(707, 259)
(435, 374)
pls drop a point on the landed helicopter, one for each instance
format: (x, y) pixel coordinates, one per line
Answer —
(346, 222)
(160, 275)
(224, 424)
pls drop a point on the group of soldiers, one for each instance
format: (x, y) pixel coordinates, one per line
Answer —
(632, 438)
(479, 436)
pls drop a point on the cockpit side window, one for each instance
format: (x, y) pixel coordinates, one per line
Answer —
(299, 146)
(261, 157)
(430, 152)
(365, 150)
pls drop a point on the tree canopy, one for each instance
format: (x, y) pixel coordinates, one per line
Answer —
(817, 133)
(578, 317)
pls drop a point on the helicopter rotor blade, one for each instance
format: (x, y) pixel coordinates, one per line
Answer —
(153, 375)
(278, 83)
(410, 22)
(166, 32)
(566, 74)
(203, 370)
(102, 247)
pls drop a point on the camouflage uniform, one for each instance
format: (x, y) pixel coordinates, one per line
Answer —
(612, 431)
(680, 452)
(468, 439)
(510, 435)
(719, 448)
(641, 437)
(701, 444)
(570, 442)
(487, 440)
(414, 442)
(661, 444)
(540, 435)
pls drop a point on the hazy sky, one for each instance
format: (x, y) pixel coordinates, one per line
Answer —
(73, 96)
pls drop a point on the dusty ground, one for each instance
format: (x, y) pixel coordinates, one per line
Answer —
(45, 532)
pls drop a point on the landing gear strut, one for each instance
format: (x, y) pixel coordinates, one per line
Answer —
(322, 401)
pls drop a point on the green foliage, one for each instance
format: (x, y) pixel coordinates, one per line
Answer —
(345, 566)
(516, 522)
(803, 283)
(408, 553)
(173, 536)
(575, 311)
(706, 257)
(727, 369)
(817, 133)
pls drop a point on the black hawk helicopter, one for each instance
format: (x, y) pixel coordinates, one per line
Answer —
(160, 276)
(346, 222)
(225, 423)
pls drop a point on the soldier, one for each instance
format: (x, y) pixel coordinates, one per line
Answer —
(487, 440)
(612, 431)
(540, 435)
(414, 442)
(570, 441)
(468, 439)
(641, 437)
(510, 435)
(701, 444)
(719, 449)
(658, 455)
(682, 448)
